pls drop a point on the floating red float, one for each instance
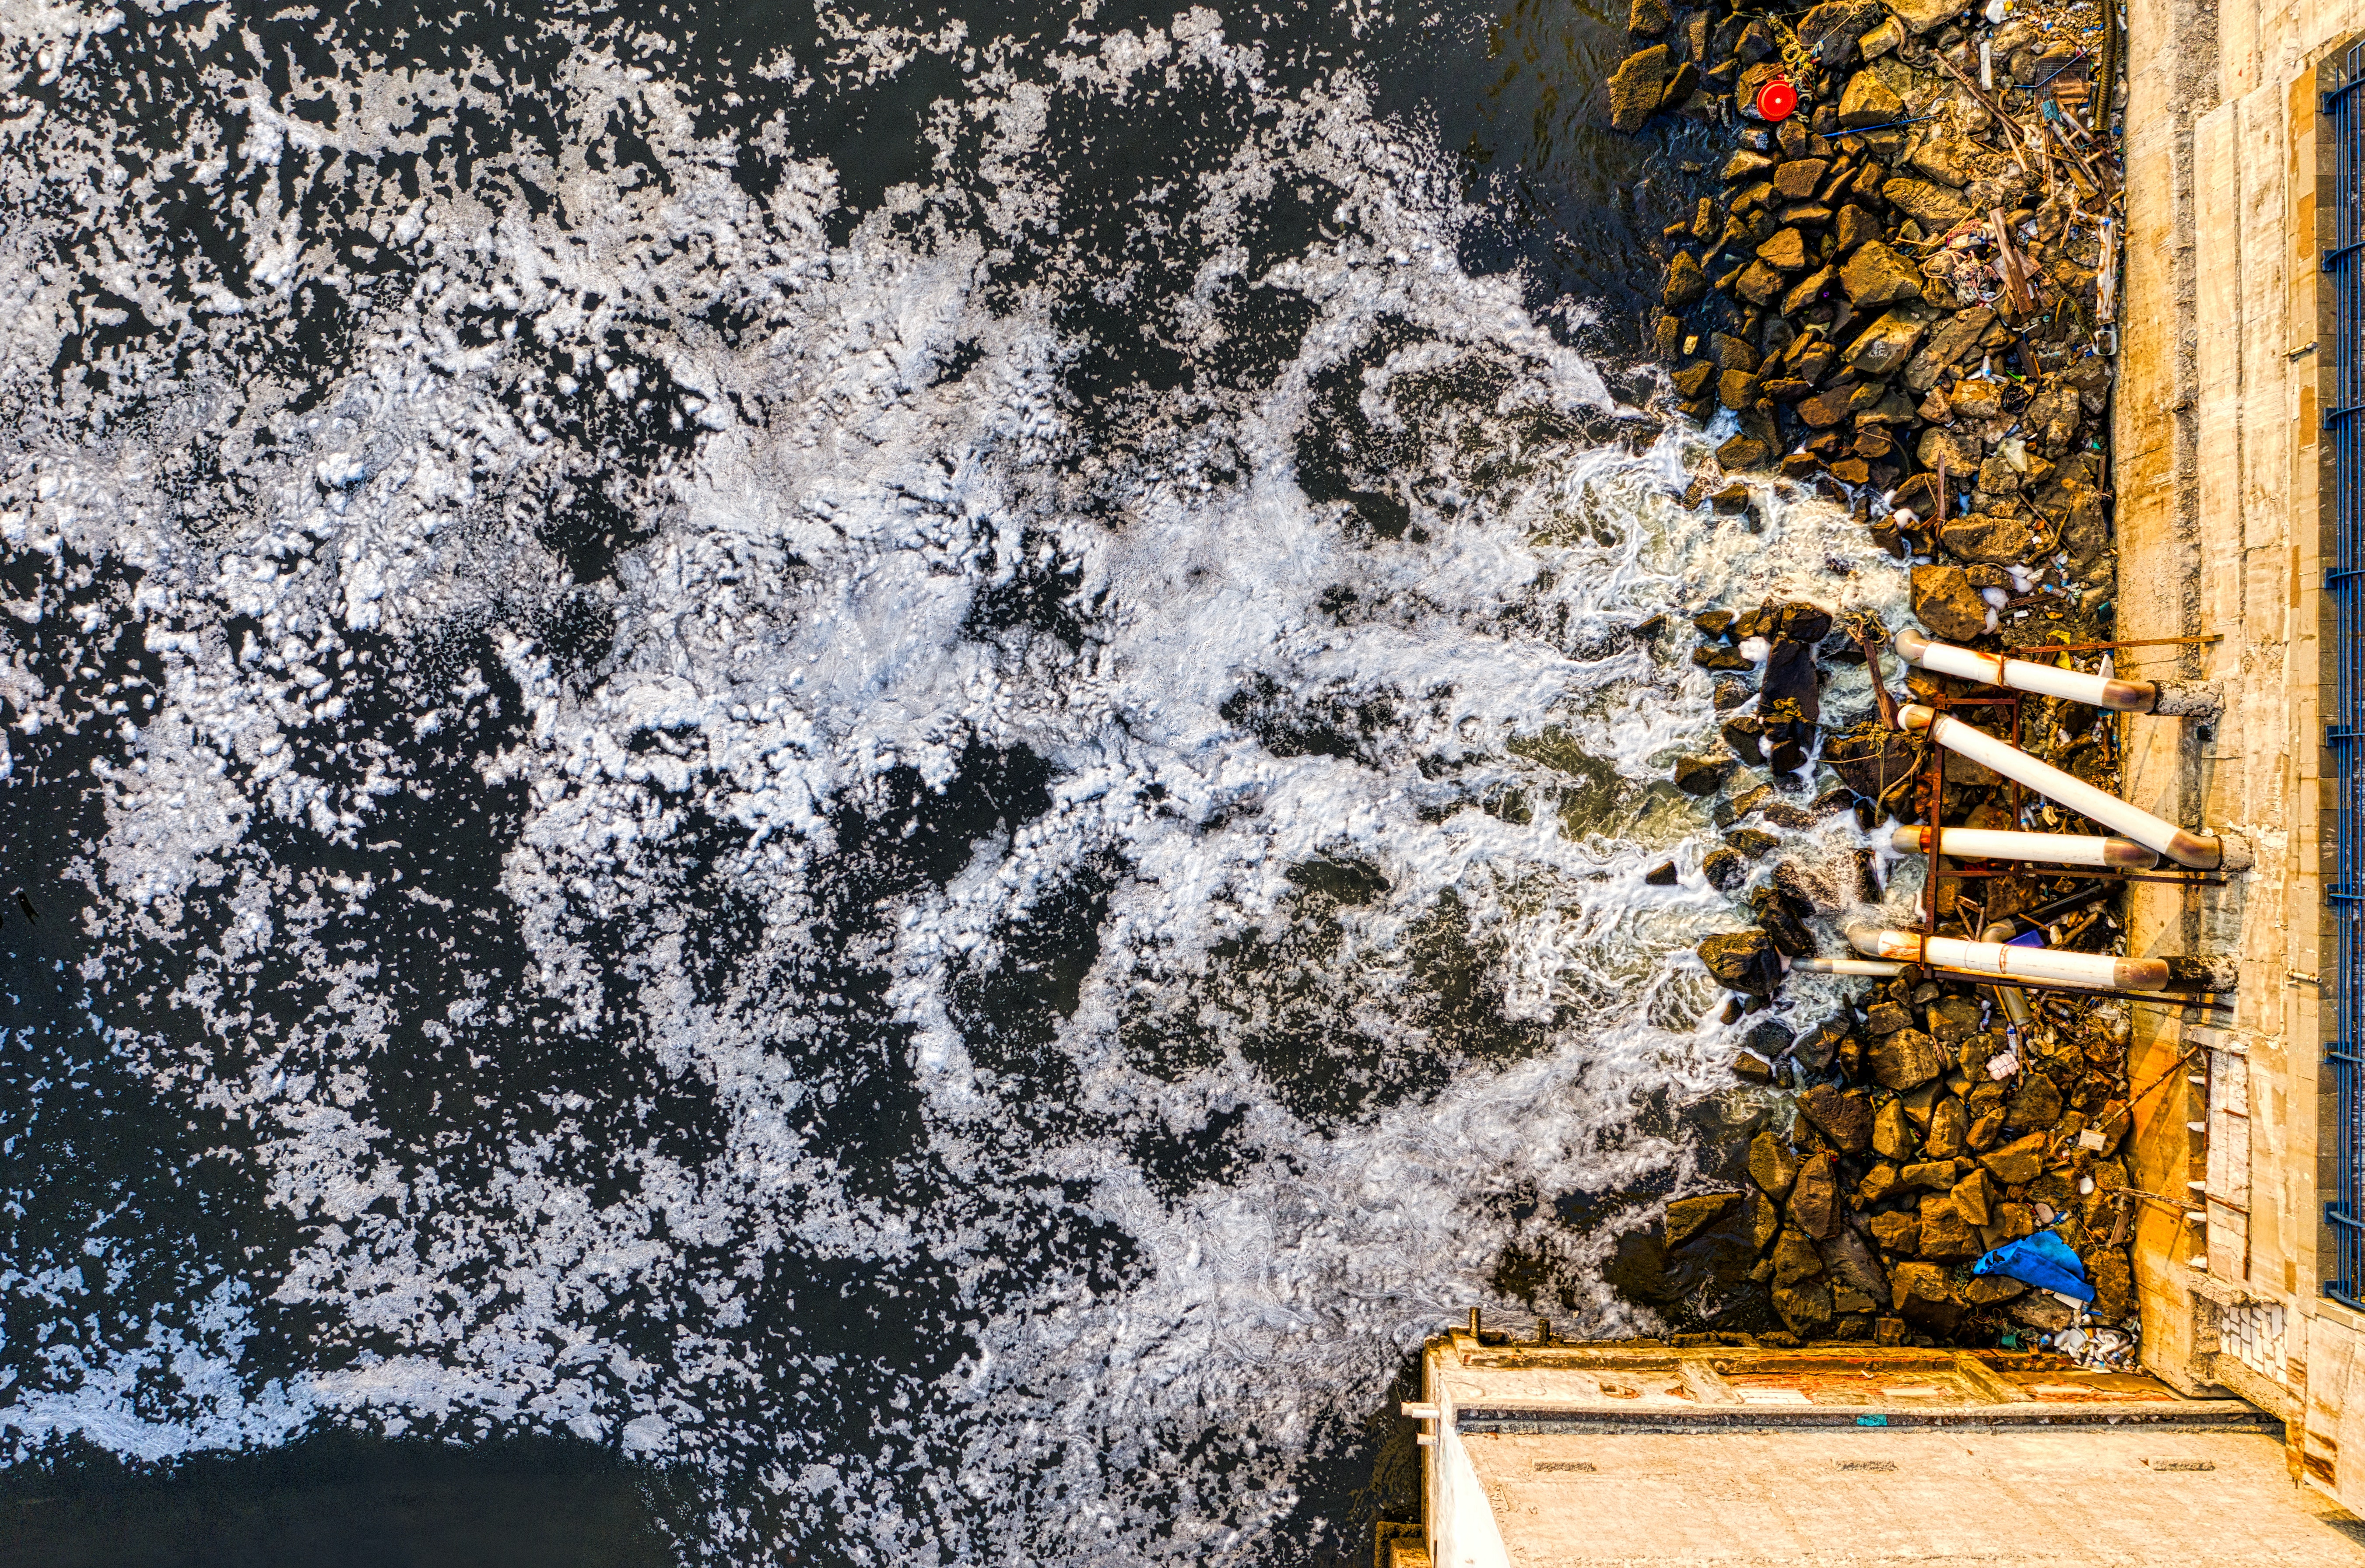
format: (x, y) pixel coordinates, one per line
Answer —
(1776, 98)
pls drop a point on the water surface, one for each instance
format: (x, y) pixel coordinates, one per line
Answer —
(898, 763)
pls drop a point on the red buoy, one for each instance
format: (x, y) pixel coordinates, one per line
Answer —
(1776, 98)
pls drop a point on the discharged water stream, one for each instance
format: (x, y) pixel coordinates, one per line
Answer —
(905, 762)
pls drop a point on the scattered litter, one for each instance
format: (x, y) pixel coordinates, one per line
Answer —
(2042, 1260)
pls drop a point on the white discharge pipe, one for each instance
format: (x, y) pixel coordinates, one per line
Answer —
(2201, 850)
(1874, 967)
(2026, 675)
(2054, 848)
(2007, 962)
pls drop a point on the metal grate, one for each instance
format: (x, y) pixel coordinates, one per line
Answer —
(2344, 1281)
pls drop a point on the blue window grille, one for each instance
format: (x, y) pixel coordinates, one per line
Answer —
(2345, 1280)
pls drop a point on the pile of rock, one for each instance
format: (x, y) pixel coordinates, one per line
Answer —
(1901, 296)
(1907, 1160)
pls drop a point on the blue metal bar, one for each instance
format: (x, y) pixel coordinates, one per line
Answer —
(2344, 1281)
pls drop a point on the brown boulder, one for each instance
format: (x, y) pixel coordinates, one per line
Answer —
(2035, 1103)
(1945, 1231)
(1934, 207)
(1797, 178)
(1941, 159)
(1795, 1259)
(1892, 1135)
(1948, 341)
(1772, 1165)
(1843, 1116)
(1765, 1219)
(1759, 282)
(1785, 252)
(1737, 389)
(1926, 1280)
(1949, 1130)
(1882, 39)
(1807, 290)
(1987, 1290)
(1741, 452)
(1686, 283)
(1686, 1217)
(1959, 452)
(1930, 1175)
(2018, 1162)
(1850, 1262)
(1952, 1020)
(1729, 352)
(2113, 1283)
(1975, 1196)
(1879, 1184)
(1903, 1059)
(1887, 343)
(1855, 226)
(1702, 775)
(1806, 1307)
(2009, 1222)
(2052, 416)
(1636, 87)
(1927, 16)
(1829, 31)
(2043, 1311)
(1743, 961)
(1998, 477)
(1875, 275)
(1898, 1233)
(1815, 1197)
(1977, 397)
(1825, 409)
(1984, 536)
(1868, 101)
(1745, 165)
(1944, 602)
(1649, 18)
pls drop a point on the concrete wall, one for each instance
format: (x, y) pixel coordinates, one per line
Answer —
(2220, 528)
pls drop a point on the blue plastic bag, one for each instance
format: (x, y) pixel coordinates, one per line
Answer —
(2044, 1260)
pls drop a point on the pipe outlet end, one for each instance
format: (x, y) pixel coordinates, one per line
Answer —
(1914, 716)
(1910, 644)
(2233, 853)
(2219, 974)
(2199, 700)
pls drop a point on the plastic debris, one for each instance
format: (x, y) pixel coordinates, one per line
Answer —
(2042, 1260)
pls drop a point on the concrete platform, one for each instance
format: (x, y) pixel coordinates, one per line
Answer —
(1588, 1456)
(1854, 1498)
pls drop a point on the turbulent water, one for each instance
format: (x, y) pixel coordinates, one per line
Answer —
(901, 760)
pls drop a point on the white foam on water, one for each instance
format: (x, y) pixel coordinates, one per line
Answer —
(803, 620)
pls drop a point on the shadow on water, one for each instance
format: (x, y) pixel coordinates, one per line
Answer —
(334, 1499)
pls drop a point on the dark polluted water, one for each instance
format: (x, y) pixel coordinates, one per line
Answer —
(849, 787)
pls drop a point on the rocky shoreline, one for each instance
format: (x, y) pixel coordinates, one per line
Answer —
(1902, 300)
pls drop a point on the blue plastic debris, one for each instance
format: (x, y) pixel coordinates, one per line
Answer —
(2044, 1260)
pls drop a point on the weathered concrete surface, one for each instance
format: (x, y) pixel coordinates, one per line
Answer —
(1578, 1456)
(2013, 1498)
(2221, 532)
